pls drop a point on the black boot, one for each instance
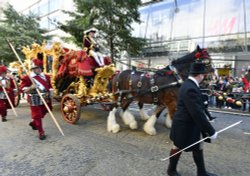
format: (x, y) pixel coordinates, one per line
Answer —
(42, 136)
(199, 161)
(32, 126)
(173, 161)
(4, 119)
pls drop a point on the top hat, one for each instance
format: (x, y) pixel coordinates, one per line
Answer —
(37, 63)
(3, 69)
(198, 68)
(90, 30)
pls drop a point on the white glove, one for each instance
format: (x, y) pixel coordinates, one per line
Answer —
(214, 136)
(3, 83)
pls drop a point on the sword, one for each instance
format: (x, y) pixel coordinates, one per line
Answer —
(224, 129)
(38, 91)
(12, 107)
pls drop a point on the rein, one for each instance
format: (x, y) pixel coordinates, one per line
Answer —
(152, 89)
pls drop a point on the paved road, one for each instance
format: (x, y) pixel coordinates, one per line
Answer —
(89, 150)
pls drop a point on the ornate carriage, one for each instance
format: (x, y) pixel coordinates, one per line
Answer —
(75, 78)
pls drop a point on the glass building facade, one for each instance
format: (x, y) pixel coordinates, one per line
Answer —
(51, 12)
(173, 27)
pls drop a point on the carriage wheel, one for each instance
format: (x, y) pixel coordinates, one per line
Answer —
(70, 108)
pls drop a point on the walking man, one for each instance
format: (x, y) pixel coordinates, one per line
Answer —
(7, 83)
(190, 123)
(37, 107)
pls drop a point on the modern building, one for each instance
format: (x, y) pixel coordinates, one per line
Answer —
(3, 4)
(175, 27)
(51, 12)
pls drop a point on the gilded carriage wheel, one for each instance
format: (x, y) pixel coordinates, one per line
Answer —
(70, 108)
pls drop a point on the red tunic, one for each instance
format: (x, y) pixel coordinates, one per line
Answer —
(4, 103)
(38, 111)
(246, 84)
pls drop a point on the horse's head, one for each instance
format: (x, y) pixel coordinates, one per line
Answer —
(201, 55)
(183, 64)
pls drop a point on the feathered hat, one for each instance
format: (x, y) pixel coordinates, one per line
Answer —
(90, 30)
(3, 69)
(36, 63)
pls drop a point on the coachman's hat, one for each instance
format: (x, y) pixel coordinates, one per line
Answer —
(90, 30)
(37, 63)
(198, 68)
(3, 69)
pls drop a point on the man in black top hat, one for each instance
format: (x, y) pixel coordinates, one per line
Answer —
(190, 123)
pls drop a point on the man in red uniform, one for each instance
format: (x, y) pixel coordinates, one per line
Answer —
(37, 107)
(8, 84)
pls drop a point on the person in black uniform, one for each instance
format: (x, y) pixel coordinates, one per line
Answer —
(205, 98)
(190, 123)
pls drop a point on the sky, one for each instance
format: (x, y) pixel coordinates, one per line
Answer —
(21, 4)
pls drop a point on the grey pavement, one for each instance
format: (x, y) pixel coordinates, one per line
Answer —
(87, 149)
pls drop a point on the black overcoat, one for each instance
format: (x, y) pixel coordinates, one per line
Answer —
(190, 122)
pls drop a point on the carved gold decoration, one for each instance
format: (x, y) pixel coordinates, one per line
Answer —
(95, 93)
(16, 65)
(82, 89)
(101, 81)
(56, 51)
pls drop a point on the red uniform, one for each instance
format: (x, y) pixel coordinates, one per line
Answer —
(246, 84)
(92, 49)
(8, 84)
(37, 107)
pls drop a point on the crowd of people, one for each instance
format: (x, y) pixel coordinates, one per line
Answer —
(231, 92)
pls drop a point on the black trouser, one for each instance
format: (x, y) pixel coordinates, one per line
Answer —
(199, 161)
(173, 161)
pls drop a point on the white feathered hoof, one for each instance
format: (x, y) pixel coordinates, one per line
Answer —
(112, 126)
(149, 126)
(149, 130)
(129, 120)
(169, 125)
(114, 129)
(133, 125)
(143, 115)
(168, 122)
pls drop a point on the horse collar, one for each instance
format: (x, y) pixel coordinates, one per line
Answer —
(175, 73)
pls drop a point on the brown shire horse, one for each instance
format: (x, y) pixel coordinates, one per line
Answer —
(160, 88)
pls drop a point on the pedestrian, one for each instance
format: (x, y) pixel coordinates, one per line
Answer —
(7, 83)
(205, 98)
(37, 107)
(190, 123)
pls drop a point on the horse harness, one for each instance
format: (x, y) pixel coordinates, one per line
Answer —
(154, 89)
